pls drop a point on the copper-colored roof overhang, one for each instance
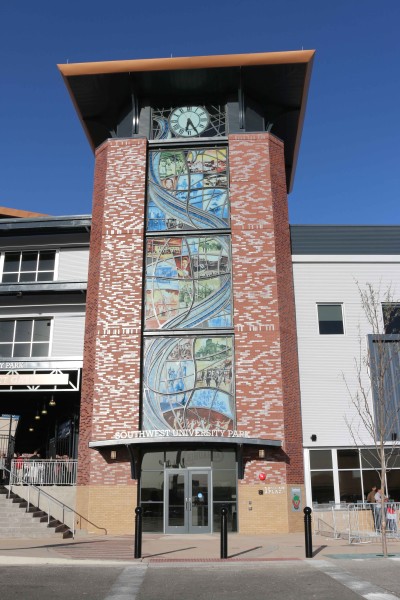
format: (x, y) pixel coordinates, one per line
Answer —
(278, 81)
(17, 213)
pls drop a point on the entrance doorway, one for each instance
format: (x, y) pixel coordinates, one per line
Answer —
(187, 500)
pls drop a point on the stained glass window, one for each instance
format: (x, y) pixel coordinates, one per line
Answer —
(187, 189)
(188, 283)
(188, 383)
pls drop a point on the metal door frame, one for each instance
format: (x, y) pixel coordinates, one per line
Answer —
(187, 474)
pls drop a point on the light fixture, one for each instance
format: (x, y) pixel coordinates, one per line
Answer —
(37, 416)
(44, 410)
(113, 454)
(31, 429)
(52, 401)
(261, 453)
(313, 437)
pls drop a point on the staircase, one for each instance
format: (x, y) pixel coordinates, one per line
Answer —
(15, 522)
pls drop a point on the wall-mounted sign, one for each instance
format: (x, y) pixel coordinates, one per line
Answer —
(295, 495)
(34, 379)
(162, 433)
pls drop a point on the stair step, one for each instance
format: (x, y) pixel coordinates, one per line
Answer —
(19, 521)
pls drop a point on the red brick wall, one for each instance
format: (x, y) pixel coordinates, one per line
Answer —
(111, 369)
(267, 384)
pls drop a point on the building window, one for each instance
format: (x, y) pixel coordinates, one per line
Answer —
(391, 318)
(330, 319)
(24, 337)
(28, 266)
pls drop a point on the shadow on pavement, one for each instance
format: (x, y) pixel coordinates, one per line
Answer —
(244, 552)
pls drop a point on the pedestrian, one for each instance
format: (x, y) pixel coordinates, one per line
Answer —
(379, 500)
(2, 467)
(391, 517)
(371, 501)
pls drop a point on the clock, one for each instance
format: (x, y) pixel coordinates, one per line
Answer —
(189, 121)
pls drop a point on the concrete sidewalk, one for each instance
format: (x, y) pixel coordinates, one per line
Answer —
(160, 548)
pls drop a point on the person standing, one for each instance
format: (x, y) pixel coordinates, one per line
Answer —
(371, 501)
(379, 500)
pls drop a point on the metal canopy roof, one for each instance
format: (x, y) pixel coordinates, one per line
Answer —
(277, 81)
(45, 225)
(213, 441)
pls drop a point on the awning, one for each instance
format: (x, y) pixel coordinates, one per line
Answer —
(135, 446)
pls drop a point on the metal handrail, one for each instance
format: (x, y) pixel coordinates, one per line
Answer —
(51, 499)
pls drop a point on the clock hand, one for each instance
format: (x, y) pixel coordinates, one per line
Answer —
(189, 122)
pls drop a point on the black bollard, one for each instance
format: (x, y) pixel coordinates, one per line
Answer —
(307, 531)
(224, 532)
(138, 532)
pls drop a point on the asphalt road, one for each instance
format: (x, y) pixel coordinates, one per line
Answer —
(283, 580)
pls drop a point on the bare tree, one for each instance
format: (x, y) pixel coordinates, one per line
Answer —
(376, 395)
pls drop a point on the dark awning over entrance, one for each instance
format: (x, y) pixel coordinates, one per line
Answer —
(136, 446)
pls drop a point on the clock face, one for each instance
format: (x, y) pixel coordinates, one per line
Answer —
(189, 121)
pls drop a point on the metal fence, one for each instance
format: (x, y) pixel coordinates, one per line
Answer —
(43, 472)
(359, 523)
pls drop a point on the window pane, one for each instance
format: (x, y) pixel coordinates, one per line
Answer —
(29, 261)
(391, 318)
(22, 350)
(320, 459)
(231, 516)
(393, 484)
(46, 261)
(393, 458)
(370, 480)
(224, 459)
(6, 331)
(5, 350)
(224, 485)
(370, 459)
(197, 458)
(41, 330)
(45, 276)
(330, 318)
(322, 487)
(23, 331)
(40, 349)
(152, 486)
(348, 459)
(153, 461)
(350, 486)
(153, 517)
(10, 278)
(11, 262)
(188, 458)
(25, 277)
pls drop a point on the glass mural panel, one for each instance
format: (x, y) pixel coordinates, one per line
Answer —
(187, 189)
(188, 283)
(188, 383)
(188, 121)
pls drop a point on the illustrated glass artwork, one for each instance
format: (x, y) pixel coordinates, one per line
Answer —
(188, 121)
(188, 384)
(188, 283)
(187, 189)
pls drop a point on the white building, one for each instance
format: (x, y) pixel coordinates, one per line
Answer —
(330, 264)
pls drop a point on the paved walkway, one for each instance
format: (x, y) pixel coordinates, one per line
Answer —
(159, 548)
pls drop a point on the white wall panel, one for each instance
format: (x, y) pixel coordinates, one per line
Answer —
(68, 332)
(325, 359)
(73, 264)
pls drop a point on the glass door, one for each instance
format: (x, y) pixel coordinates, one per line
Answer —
(187, 501)
(199, 501)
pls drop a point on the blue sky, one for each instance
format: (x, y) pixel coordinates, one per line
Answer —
(348, 169)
